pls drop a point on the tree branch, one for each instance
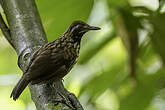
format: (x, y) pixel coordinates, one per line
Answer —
(5, 30)
(26, 36)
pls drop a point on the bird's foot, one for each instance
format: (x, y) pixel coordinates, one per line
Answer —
(61, 95)
(64, 100)
(70, 100)
(74, 101)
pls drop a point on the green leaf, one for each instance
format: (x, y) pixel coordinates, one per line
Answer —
(139, 99)
(117, 3)
(142, 9)
(158, 36)
(144, 91)
(98, 84)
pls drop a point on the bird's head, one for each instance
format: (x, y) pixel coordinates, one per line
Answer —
(78, 28)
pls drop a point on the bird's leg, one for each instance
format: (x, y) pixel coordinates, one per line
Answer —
(64, 96)
(51, 85)
(74, 101)
(70, 100)
(61, 95)
(65, 101)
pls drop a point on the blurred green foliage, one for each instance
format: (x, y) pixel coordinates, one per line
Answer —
(120, 67)
(57, 15)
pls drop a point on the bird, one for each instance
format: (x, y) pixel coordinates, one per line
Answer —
(55, 59)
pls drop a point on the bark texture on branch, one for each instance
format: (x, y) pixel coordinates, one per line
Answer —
(26, 35)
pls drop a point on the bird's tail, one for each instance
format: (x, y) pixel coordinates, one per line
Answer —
(21, 85)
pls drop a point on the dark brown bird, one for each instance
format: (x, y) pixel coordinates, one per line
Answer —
(54, 59)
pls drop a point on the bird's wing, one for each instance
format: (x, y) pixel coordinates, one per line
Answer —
(45, 62)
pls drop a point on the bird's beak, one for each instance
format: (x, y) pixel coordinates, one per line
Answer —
(93, 28)
(88, 28)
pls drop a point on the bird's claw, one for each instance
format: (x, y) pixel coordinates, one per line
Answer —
(66, 101)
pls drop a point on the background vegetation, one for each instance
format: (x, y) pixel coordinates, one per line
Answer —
(120, 67)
